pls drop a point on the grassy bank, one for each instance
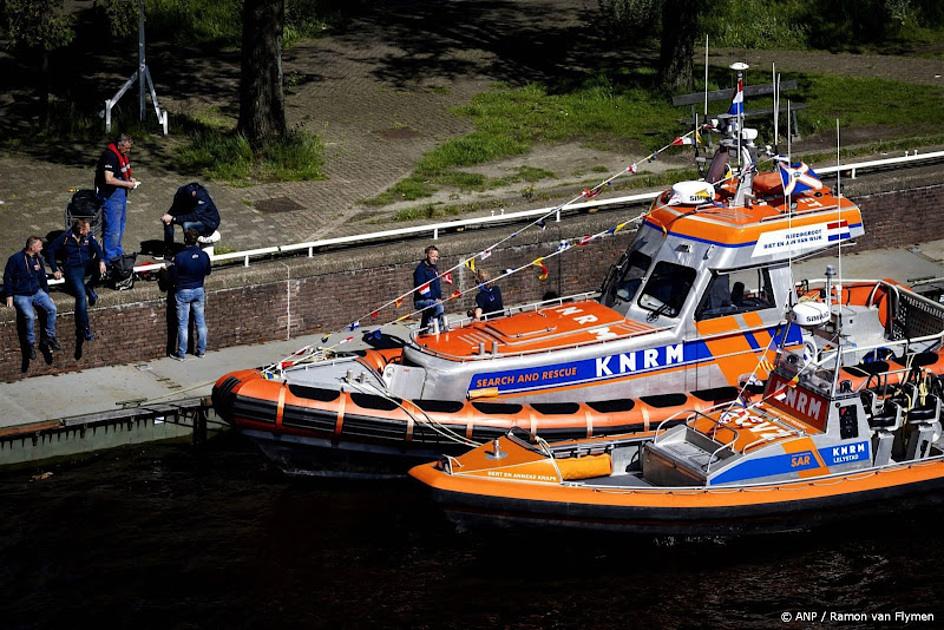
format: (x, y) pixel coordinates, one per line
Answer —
(602, 114)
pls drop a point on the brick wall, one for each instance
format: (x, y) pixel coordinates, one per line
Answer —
(291, 297)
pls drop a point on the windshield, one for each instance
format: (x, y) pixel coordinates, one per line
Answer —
(667, 289)
(628, 279)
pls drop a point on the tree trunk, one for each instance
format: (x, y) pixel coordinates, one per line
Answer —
(679, 29)
(261, 100)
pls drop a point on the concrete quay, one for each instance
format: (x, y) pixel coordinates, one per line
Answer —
(37, 415)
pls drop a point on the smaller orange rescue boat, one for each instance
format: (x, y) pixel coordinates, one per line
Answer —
(814, 446)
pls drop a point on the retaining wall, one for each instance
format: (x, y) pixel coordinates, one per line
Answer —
(289, 297)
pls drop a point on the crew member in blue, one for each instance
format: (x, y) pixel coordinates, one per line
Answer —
(191, 266)
(113, 180)
(24, 284)
(428, 291)
(192, 209)
(488, 301)
(79, 250)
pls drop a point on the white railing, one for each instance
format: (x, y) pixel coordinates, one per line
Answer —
(434, 229)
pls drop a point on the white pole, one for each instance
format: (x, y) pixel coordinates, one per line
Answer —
(706, 77)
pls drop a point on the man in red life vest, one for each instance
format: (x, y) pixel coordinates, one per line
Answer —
(113, 180)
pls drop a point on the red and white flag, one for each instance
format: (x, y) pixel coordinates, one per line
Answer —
(424, 289)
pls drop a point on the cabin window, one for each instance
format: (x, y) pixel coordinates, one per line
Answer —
(667, 289)
(737, 292)
(628, 280)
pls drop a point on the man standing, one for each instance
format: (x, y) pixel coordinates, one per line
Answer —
(192, 209)
(78, 249)
(428, 291)
(113, 180)
(24, 284)
(191, 266)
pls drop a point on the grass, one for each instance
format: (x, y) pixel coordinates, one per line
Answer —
(510, 121)
(222, 154)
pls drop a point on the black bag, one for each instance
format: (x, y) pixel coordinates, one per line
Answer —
(84, 203)
(121, 272)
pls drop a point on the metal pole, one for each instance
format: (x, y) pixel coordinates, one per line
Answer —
(141, 61)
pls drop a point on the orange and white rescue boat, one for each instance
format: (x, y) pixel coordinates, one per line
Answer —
(811, 448)
(692, 311)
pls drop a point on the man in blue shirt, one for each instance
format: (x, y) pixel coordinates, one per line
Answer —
(79, 250)
(488, 301)
(192, 209)
(25, 286)
(191, 266)
(428, 291)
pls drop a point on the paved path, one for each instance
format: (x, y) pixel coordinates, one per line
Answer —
(380, 92)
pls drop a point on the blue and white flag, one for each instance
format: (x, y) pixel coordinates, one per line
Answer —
(737, 103)
(798, 177)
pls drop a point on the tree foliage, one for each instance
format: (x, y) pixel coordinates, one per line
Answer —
(38, 24)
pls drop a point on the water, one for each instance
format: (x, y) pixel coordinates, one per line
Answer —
(173, 537)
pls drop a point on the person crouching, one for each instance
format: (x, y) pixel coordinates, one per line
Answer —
(193, 208)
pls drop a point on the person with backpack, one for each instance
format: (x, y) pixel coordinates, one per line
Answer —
(113, 181)
(25, 286)
(193, 208)
(78, 250)
(190, 268)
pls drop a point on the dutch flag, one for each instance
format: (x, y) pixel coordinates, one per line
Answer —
(424, 289)
(737, 103)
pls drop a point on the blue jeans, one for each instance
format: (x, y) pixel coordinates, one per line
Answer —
(25, 303)
(431, 309)
(186, 225)
(114, 213)
(187, 299)
(75, 282)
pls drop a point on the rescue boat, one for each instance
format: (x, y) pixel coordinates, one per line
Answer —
(691, 312)
(814, 447)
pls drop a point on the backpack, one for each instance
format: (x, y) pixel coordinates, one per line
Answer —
(121, 272)
(84, 203)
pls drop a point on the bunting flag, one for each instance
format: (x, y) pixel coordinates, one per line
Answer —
(455, 294)
(423, 290)
(447, 277)
(589, 194)
(543, 273)
(374, 335)
(397, 303)
(542, 224)
(563, 246)
(584, 240)
(621, 226)
(374, 314)
(798, 177)
(680, 141)
(485, 254)
(345, 340)
(631, 169)
(470, 263)
(354, 326)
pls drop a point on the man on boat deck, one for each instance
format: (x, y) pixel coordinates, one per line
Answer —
(428, 291)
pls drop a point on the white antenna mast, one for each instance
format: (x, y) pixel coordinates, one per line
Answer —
(739, 67)
(706, 77)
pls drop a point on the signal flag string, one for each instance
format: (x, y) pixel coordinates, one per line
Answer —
(587, 193)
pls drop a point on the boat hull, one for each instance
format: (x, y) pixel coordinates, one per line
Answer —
(686, 512)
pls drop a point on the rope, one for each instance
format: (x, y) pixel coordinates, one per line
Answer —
(587, 193)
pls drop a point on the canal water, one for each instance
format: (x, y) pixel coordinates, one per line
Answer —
(171, 536)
